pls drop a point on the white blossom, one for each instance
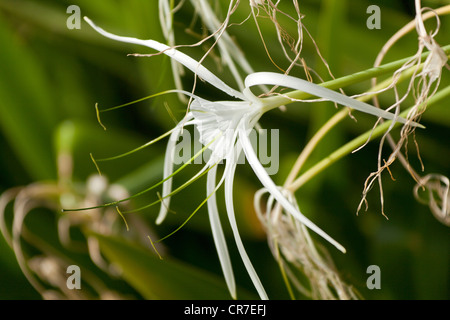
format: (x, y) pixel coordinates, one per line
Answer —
(224, 127)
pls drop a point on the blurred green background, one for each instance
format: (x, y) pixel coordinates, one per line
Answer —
(51, 77)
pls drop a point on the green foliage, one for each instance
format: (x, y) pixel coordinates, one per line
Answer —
(167, 279)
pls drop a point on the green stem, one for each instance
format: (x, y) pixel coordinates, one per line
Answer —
(310, 146)
(276, 101)
(357, 142)
(337, 118)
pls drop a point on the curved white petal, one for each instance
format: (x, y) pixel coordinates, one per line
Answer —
(182, 58)
(273, 189)
(229, 178)
(271, 78)
(217, 231)
(168, 168)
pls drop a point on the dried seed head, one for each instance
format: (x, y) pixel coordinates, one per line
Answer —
(434, 62)
(438, 196)
(295, 251)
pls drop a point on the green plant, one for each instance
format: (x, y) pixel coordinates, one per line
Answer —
(54, 77)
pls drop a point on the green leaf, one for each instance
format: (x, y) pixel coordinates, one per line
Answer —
(166, 279)
(25, 115)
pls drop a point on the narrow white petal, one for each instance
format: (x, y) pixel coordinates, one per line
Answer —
(272, 188)
(168, 168)
(217, 231)
(229, 177)
(271, 78)
(182, 58)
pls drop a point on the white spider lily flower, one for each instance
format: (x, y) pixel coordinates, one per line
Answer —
(224, 128)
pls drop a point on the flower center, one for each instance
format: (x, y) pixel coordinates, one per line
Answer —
(217, 123)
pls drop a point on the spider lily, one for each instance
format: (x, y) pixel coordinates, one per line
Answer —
(224, 128)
